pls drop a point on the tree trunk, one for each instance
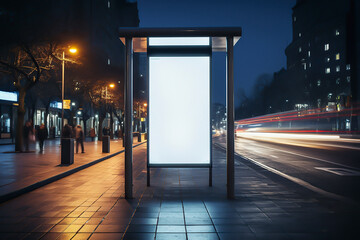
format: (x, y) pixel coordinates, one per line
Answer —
(46, 116)
(101, 119)
(85, 130)
(33, 110)
(20, 121)
(111, 126)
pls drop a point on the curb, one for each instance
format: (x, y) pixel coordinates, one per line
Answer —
(52, 179)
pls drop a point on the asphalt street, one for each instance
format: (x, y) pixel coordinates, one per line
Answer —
(325, 164)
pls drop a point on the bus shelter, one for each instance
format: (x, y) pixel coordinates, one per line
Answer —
(179, 88)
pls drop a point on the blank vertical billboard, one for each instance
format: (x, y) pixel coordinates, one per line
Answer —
(179, 110)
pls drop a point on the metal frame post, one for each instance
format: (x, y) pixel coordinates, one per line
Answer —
(128, 118)
(62, 91)
(230, 118)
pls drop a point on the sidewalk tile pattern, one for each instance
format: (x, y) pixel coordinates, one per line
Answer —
(90, 204)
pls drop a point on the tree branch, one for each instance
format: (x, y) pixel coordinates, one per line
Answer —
(38, 72)
(16, 69)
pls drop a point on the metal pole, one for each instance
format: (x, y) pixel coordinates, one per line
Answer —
(62, 91)
(148, 176)
(128, 118)
(106, 108)
(210, 176)
(230, 119)
(140, 127)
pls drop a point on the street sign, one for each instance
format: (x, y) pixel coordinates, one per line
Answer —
(67, 104)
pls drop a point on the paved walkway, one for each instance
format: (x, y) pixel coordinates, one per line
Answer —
(19, 170)
(179, 205)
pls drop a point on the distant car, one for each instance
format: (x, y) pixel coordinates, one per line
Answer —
(238, 130)
(213, 131)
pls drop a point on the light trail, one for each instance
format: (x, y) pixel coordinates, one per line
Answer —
(310, 157)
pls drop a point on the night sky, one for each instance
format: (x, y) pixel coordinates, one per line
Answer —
(266, 28)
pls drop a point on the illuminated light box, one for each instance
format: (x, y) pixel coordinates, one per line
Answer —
(179, 110)
(179, 41)
(8, 96)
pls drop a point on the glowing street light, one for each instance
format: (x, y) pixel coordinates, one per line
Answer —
(111, 85)
(71, 50)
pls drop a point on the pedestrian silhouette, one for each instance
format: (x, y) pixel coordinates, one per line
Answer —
(79, 136)
(28, 133)
(42, 134)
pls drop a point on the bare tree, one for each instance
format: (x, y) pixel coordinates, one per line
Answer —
(27, 64)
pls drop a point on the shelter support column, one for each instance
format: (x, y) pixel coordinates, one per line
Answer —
(128, 118)
(230, 118)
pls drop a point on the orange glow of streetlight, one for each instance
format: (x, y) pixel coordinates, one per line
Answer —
(73, 50)
(112, 85)
(145, 104)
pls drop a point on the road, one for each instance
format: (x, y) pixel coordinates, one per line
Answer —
(326, 164)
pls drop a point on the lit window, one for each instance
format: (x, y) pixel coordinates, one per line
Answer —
(109, 4)
(338, 81)
(309, 65)
(108, 61)
(337, 68)
(327, 70)
(326, 47)
(327, 59)
(347, 66)
(337, 33)
(299, 49)
(337, 56)
(318, 83)
(348, 78)
(294, 18)
(304, 66)
(299, 34)
(309, 53)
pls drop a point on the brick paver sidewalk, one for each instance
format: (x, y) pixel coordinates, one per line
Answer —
(19, 170)
(90, 204)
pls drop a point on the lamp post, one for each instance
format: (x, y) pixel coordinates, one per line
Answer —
(111, 85)
(106, 92)
(71, 50)
(139, 115)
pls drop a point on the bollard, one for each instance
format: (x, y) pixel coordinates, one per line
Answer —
(67, 151)
(106, 144)
(139, 137)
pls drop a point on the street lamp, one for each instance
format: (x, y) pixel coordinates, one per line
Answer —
(71, 50)
(111, 85)
(139, 115)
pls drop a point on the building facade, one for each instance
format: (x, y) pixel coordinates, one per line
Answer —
(321, 59)
(92, 27)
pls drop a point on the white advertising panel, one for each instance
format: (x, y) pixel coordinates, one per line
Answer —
(179, 110)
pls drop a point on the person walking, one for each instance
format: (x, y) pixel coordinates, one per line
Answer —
(92, 134)
(42, 134)
(28, 134)
(79, 136)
